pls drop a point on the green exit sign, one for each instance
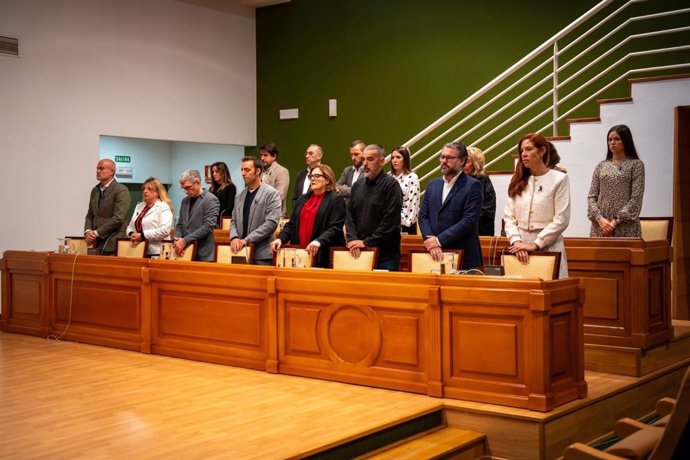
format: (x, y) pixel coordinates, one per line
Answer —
(123, 159)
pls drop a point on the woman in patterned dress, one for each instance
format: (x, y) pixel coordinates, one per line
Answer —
(409, 183)
(615, 196)
(474, 166)
(538, 208)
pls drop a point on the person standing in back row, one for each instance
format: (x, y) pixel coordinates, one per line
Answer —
(615, 195)
(312, 157)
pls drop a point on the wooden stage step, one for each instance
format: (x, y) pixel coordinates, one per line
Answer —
(637, 362)
(444, 442)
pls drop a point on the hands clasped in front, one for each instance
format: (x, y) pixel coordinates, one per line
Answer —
(432, 245)
(607, 226)
(522, 250)
(355, 247)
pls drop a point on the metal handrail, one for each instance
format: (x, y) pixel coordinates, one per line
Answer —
(548, 44)
(557, 85)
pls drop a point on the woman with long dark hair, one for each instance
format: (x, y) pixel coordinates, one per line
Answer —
(401, 170)
(538, 209)
(615, 196)
(223, 188)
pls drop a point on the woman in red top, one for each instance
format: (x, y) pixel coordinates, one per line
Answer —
(318, 218)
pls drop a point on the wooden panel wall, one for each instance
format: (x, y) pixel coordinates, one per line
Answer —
(98, 299)
(24, 293)
(380, 330)
(500, 341)
(681, 213)
(213, 313)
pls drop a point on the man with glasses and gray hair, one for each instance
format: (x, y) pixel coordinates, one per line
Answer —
(449, 216)
(198, 217)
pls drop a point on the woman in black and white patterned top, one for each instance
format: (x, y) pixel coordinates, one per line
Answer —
(409, 183)
(615, 196)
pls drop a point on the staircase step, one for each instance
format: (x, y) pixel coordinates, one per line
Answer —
(444, 442)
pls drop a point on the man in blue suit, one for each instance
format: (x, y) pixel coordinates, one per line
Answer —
(449, 216)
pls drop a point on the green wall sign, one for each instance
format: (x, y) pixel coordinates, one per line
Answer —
(123, 159)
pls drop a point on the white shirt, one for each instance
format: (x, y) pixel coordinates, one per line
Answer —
(448, 185)
(307, 182)
(409, 184)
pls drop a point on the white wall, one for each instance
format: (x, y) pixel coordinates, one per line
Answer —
(650, 117)
(148, 157)
(156, 69)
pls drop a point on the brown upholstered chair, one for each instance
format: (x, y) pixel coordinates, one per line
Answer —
(652, 442)
(657, 228)
(544, 265)
(126, 248)
(76, 245)
(341, 259)
(168, 253)
(421, 261)
(292, 256)
(224, 254)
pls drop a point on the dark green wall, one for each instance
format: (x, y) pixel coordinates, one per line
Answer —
(393, 65)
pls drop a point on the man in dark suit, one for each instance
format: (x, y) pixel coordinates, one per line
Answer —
(198, 217)
(351, 173)
(449, 216)
(106, 218)
(313, 158)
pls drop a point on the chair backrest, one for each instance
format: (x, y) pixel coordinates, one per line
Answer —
(224, 254)
(76, 245)
(292, 256)
(225, 222)
(281, 224)
(421, 261)
(341, 259)
(650, 442)
(657, 228)
(126, 248)
(168, 253)
(675, 439)
(544, 265)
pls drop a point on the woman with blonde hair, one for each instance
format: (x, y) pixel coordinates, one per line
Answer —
(474, 167)
(153, 218)
(318, 218)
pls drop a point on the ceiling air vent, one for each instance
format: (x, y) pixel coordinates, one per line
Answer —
(9, 46)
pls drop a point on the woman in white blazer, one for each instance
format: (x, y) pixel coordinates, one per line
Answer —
(153, 218)
(538, 209)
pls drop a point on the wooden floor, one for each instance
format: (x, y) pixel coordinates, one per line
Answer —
(68, 400)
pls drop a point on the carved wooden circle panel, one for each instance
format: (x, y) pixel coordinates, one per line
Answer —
(350, 334)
